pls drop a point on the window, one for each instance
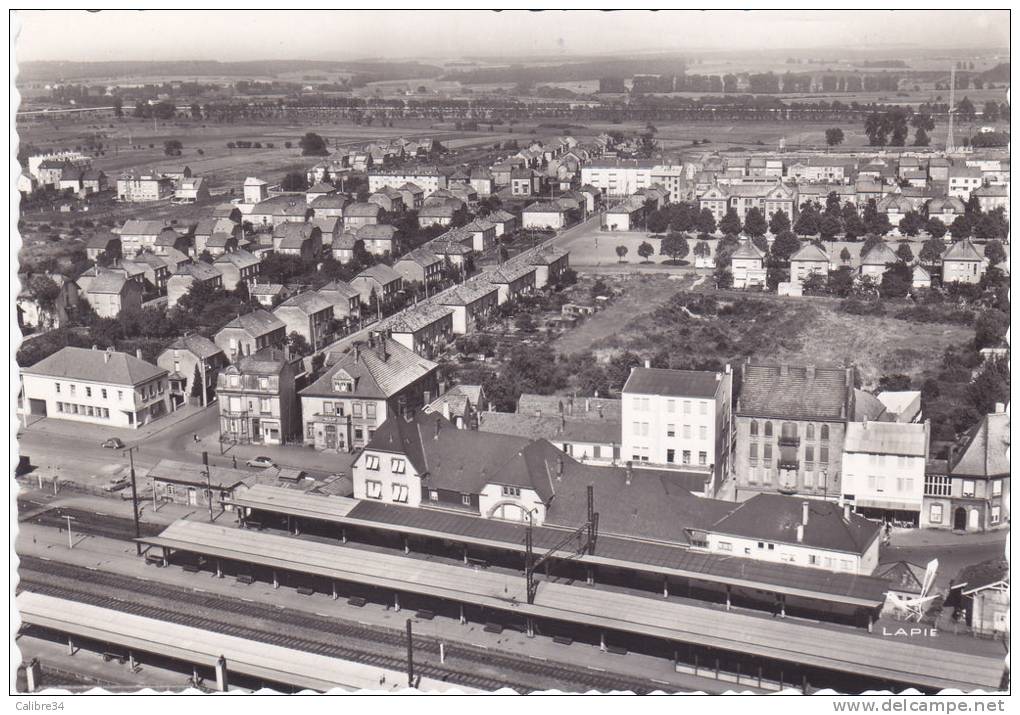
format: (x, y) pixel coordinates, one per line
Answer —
(103, 393)
(812, 559)
(265, 405)
(761, 544)
(766, 477)
(433, 495)
(263, 383)
(997, 488)
(72, 389)
(725, 546)
(767, 454)
(687, 407)
(935, 514)
(702, 458)
(397, 466)
(372, 462)
(511, 491)
(671, 430)
(753, 453)
(57, 385)
(670, 406)
(465, 499)
(370, 410)
(373, 489)
(772, 547)
(809, 453)
(327, 408)
(968, 487)
(825, 433)
(768, 429)
(686, 456)
(810, 432)
(809, 480)
(704, 407)
(398, 493)
(670, 456)
(754, 428)
(356, 408)
(637, 429)
(937, 486)
(309, 430)
(823, 455)
(120, 395)
(687, 431)
(994, 519)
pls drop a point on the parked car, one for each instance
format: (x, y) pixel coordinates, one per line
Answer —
(117, 484)
(113, 443)
(260, 462)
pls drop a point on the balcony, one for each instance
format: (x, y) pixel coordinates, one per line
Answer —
(788, 441)
(330, 418)
(789, 464)
(233, 413)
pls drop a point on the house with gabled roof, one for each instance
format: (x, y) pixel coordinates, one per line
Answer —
(309, 315)
(388, 199)
(250, 332)
(810, 260)
(329, 205)
(550, 264)
(420, 266)
(184, 357)
(287, 208)
(317, 190)
(361, 214)
(513, 279)
(102, 243)
(239, 267)
(111, 292)
(876, 261)
(378, 239)
(298, 239)
(346, 302)
(962, 263)
(379, 282)
(544, 214)
(790, 424)
(483, 233)
(946, 209)
(440, 213)
(191, 190)
(412, 195)
(140, 234)
(504, 222)
(189, 275)
(425, 328)
(362, 389)
(984, 597)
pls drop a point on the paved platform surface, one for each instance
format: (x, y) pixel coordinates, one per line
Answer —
(118, 556)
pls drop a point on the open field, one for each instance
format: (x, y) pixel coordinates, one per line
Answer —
(770, 328)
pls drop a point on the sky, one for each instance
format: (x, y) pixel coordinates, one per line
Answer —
(79, 35)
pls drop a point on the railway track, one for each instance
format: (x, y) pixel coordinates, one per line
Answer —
(93, 524)
(372, 645)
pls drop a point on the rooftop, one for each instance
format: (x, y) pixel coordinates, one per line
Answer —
(676, 383)
(376, 372)
(984, 453)
(199, 345)
(257, 322)
(905, 440)
(95, 366)
(795, 392)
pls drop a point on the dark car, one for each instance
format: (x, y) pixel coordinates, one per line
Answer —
(113, 443)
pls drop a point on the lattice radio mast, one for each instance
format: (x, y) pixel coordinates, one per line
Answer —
(950, 146)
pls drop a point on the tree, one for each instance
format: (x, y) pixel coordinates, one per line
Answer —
(658, 221)
(675, 246)
(645, 250)
(730, 224)
(896, 281)
(808, 221)
(911, 223)
(965, 110)
(935, 227)
(298, 344)
(875, 222)
(118, 107)
(779, 222)
(172, 147)
(834, 136)
(706, 223)
(894, 383)
(921, 137)
(621, 252)
(313, 145)
(990, 329)
(931, 250)
(990, 386)
(702, 249)
(829, 226)
(196, 383)
(723, 277)
(294, 181)
(845, 256)
(994, 252)
(853, 226)
(904, 253)
(196, 111)
(960, 228)
(784, 246)
(991, 111)
(164, 110)
(754, 223)
(870, 242)
(991, 225)
(525, 323)
(841, 281)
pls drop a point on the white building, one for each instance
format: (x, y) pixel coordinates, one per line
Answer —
(619, 177)
(678, 418)
(97, 386)
(883, 469)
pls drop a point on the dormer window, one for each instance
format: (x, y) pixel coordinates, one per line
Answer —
(343, 384)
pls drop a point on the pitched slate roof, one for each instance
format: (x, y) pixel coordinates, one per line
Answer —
(772, 517)
(550, 426)
(112, 367)
(108, 282)
(308, 302)
(946, 203)
(329, 201)
(678, 383)
(142, 227)
(376, 232)
(362, 210)
(381, 273)
(748, 250)
(341, 289)
(500, 216)
(422, 256)
(416, 318)
(544, 207)
(374, 376)
(257, 322)
(200, 271)
(597, 409)
(879, 255)
(984, 454)
(321, 188)
(962, 251)
(906, 440)
(437, 210)
(977, 576)
(766, 391)
(199, 345)
(467, 293)
(810, 252)
(867, 406)
(102, 240)
(266, 289)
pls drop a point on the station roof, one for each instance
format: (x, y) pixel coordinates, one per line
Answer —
(195, 645)
(658, 558)
(833, 647)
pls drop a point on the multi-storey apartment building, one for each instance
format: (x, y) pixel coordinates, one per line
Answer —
(619, 177)
(678, 418)
(257, 399)
(790, 428)
(248, 333)
(429, 178)
(883, 469)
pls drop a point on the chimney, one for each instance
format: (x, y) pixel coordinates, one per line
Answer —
(718, 377)
(446, 409)
(138, 353)
(846, 512)
(382, 349)
(357, 352)
(439, 426)
(427, 397)
(729, 369)
(107, 355)
(1000, 408)
(804, 515)
(630, 471)
(648, 363)
(587, 405)
(559, 467)
(800, 533)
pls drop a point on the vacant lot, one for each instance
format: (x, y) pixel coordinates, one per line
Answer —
(648, 319)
